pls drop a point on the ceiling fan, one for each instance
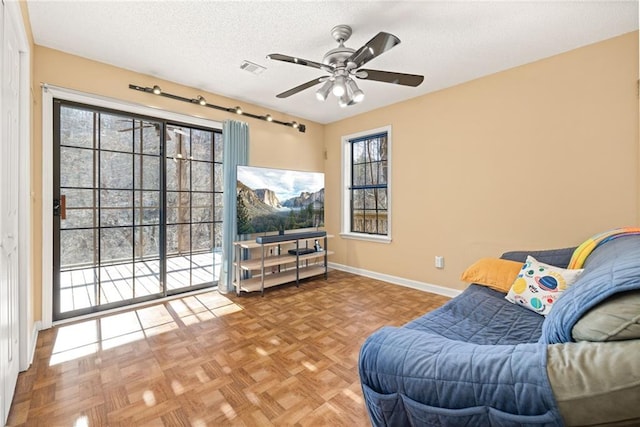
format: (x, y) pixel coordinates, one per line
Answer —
(344, 64)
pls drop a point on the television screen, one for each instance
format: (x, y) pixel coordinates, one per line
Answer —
(270, 200)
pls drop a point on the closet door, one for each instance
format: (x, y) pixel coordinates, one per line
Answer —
(9, 239)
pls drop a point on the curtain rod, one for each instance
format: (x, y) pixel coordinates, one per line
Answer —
(155, 90)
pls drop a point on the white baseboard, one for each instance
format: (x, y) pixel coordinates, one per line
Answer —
(414, 284)
(37, 326)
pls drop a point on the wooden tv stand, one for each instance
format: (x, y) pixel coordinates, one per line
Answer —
(270, 264)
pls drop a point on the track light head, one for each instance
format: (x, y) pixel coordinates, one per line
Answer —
(239, 110)
(268, 118)
(156, 90)
(201, 100)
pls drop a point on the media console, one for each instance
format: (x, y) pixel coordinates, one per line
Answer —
(279, 259)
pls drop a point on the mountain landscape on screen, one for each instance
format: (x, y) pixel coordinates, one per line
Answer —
(278, 200)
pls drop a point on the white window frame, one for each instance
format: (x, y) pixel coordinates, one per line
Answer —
(345, 231)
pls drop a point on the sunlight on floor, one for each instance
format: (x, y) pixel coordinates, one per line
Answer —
(88, 337)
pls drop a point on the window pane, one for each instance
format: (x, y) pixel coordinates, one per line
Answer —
(76, 127)
(178, 239)
(178, 175)
(116, 244)
(218, 207)
(202, 207)
(370, 198)
(358, 177)
(146, 172)
(178, 207)
(218, 178)
(382, 223)
(76, 167)
(116, 170)
(202, 237)
(218, 147)
(201, 176)
(382, 199)
(116, 132)
(147, 242)
(358, 152)
(357, 221)
(201, 145)
(150, 138)
(116, 208)
(76, 248)
(147, 207)
(358, 199)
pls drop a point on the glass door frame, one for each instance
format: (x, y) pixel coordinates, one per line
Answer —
(162, 223)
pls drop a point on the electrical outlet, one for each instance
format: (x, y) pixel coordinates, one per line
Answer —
(439, 261)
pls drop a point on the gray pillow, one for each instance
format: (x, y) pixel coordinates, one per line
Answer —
(615, 319)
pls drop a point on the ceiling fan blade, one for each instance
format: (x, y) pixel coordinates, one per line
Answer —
(390, 77)
(378, 45)
(302, 87)
(299, 61)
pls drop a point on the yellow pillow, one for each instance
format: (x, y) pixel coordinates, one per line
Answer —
(498, 274)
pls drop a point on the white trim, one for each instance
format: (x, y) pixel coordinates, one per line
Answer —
(47, 206)
(37, 326)
(345, 220)
(367, 237)
(49, 92)
(25, 304)
(413, 284)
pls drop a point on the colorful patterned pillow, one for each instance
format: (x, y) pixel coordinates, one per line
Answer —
(538, 285)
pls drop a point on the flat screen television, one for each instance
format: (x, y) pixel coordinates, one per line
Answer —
(278, 200)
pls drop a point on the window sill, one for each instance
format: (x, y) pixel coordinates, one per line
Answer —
(366, 237)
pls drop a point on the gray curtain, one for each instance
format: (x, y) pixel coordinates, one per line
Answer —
(235, 137)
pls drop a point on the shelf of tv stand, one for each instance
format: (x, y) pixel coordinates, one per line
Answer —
(254, 284)
(268, 270)
(277, 260)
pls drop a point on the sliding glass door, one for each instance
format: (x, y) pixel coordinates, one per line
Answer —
(137, 208)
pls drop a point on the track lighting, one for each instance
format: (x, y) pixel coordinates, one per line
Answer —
(324, 90)
(200, 100)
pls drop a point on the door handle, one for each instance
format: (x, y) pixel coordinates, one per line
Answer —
(60, 207)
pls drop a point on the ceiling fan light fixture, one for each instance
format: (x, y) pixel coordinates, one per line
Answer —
(339, 87)
(356, 93)
(344, 100)
(324, 90)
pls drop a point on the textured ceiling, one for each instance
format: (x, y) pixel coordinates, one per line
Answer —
(202, 43)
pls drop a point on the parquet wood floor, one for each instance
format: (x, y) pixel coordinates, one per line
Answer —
(288, 358)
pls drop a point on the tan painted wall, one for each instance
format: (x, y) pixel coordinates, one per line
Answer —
(271, 145)
(539, 156)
